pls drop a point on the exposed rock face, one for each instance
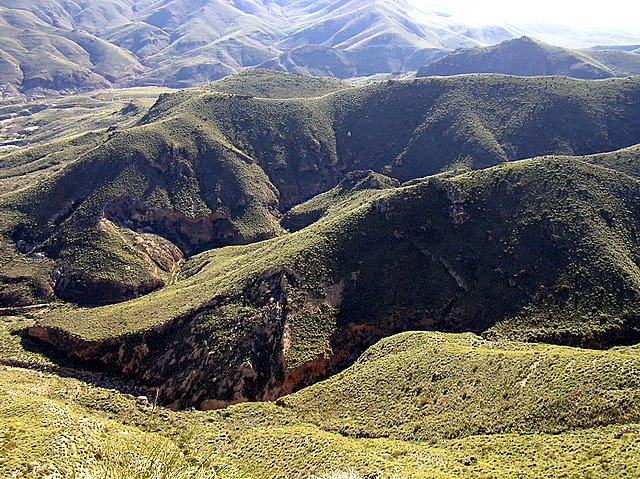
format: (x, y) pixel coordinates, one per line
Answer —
(229, 351)
(191, 235)
(224, 353)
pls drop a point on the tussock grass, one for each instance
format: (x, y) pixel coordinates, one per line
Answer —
(426, 386)
(78, 429)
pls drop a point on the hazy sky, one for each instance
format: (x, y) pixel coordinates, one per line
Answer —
(620, 14)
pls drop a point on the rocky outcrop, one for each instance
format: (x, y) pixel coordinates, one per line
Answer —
(191, 235)
(231, 350)
(225, 352)
(158, 263)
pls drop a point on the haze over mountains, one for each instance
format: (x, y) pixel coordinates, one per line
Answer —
(55, 45)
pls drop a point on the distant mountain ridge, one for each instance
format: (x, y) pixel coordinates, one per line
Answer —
(526, 56)
(62, 46)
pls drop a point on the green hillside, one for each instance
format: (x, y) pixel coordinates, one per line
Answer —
(430, 386)
(182, 219)
(625, 160)
(270, 84)
(204, 169)
(621, 63)
(53, 423)
(496, 252)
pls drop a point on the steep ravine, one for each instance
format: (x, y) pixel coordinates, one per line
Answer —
(225, 352)
(234, 349)
(520, 251)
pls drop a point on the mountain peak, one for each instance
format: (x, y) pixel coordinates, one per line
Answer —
(527, 56)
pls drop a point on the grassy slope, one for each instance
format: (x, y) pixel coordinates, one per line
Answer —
(55, 133)
(345, 194)
(625, 160)
(270, 84)
(75, 427)
(428, 386)
(621, 63)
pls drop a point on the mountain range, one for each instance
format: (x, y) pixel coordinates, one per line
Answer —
(327, 216)
(411, 278)
(366, 240)
(66, 46)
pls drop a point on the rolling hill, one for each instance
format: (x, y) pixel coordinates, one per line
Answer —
(528, 57)
(405, 209)
(36, 57)
(282, 313)
(233, 164)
